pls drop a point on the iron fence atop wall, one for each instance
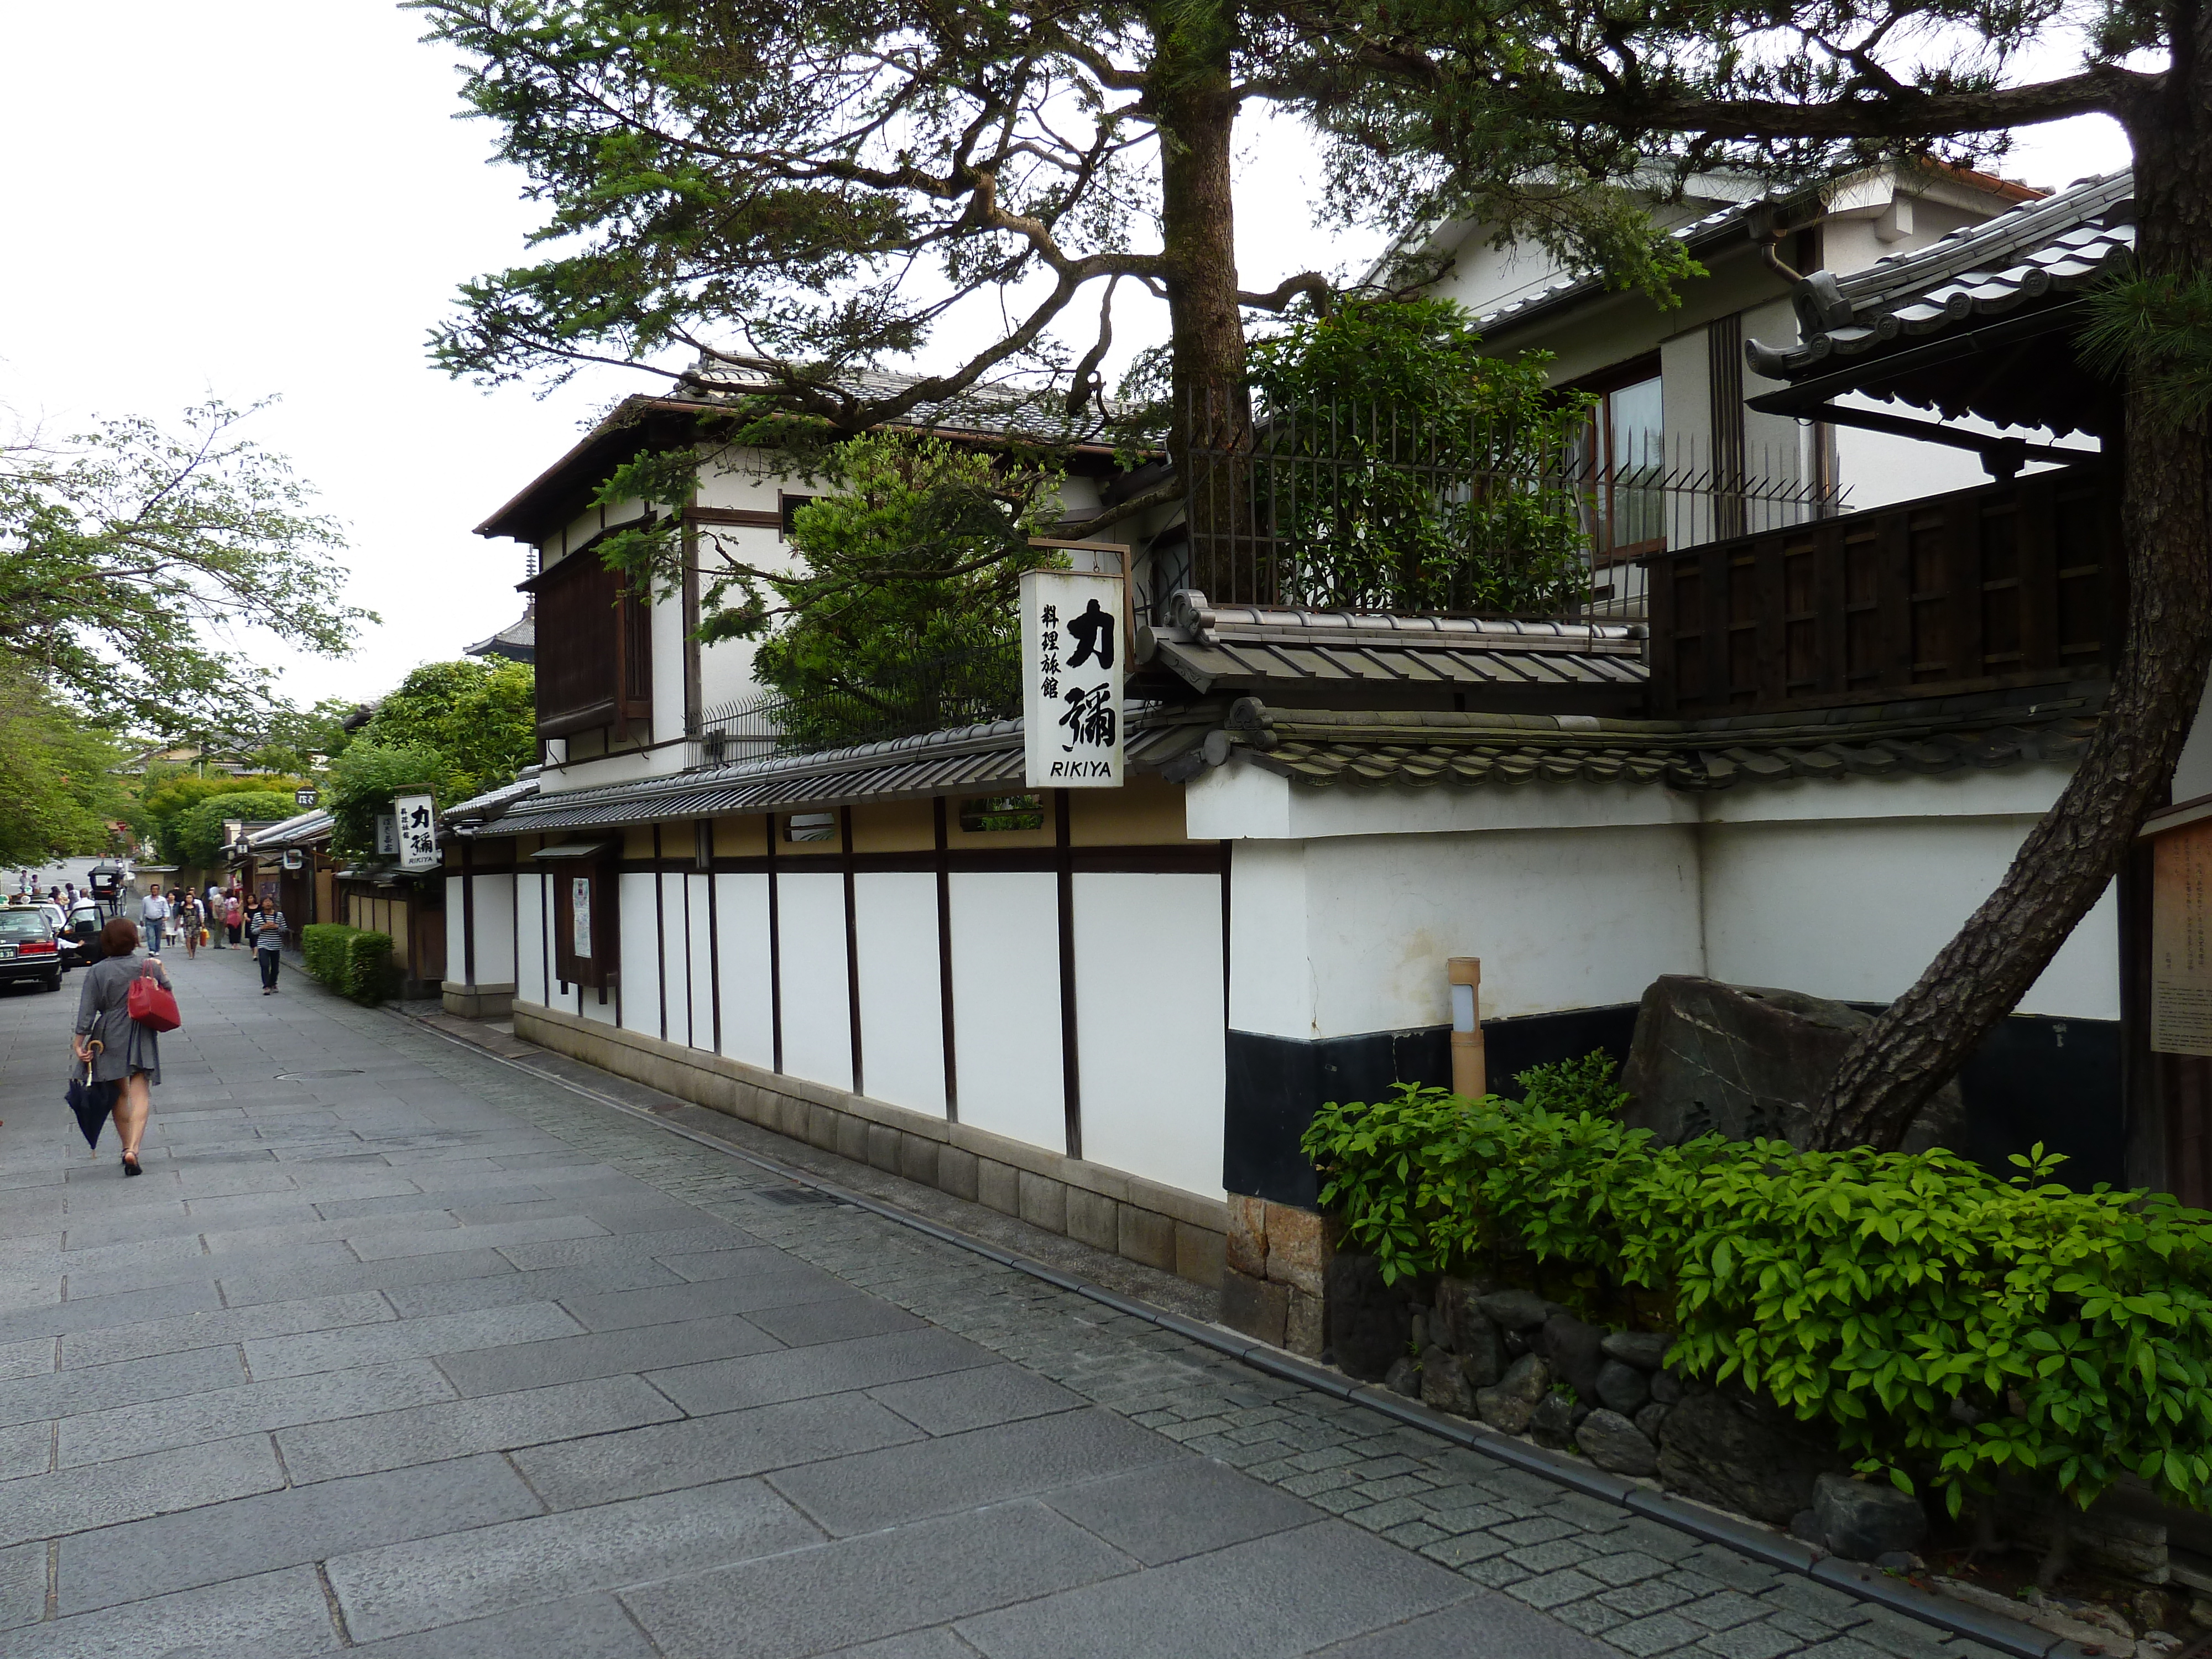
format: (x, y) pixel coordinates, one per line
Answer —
(1347, 506)
(937, 692)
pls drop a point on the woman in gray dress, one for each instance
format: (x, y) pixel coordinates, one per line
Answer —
(129, 1054)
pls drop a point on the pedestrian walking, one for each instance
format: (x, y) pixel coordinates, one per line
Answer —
(153, 912)
(129, 1054)
(268, 930)
(233, 920)
(188, 918)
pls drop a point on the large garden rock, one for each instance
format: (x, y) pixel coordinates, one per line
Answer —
(1645, 1350)
(1515, 1310)
(1747, 1061)
(1576, 1352)
(1860, 1520)
(1721, 1450)
(1443, 1384)
(1369, 1324)
(1404, 1376)
(1519, 1392)
(1552, 1423)
(1623, 1388)
(1612, 1442)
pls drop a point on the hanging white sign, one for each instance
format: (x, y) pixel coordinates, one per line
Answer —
(418, 831)
(1072, 658)
(388, 835)
(580, 900)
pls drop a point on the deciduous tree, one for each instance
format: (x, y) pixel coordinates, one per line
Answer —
(138, 563)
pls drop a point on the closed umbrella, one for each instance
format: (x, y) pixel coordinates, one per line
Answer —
(92, 1101)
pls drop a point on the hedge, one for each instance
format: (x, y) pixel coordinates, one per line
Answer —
(348, 960)
(1948, 1325)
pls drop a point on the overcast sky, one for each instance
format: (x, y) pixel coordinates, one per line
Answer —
(243, 198)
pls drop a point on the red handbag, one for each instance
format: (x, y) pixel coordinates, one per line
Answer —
(153, 1005)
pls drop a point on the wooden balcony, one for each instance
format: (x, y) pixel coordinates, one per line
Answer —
(2005, 584)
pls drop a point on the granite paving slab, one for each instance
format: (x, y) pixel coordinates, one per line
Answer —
(403, 1350)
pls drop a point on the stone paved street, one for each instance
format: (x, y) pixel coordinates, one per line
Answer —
(400, 1349)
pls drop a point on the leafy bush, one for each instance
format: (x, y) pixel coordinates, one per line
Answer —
(1947, 1326)
(350, 960)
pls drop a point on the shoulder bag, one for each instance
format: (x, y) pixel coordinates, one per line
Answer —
(153, 1005)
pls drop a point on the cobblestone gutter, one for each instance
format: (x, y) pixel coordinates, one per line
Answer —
(1647, 1573)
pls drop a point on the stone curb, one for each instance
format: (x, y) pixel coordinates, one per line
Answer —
(1777, 1550)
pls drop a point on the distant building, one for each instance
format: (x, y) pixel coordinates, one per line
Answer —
(517, 642)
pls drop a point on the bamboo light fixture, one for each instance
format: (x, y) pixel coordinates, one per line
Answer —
(1470, 1075)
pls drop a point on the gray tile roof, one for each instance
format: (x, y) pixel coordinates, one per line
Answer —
(1338, 749)
(1261, 647)
(988, 757)
(480, 809)
(312, 825)
(2059, 244)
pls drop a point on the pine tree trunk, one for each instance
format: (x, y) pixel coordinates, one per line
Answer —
(1191, 93)
(2075, 850)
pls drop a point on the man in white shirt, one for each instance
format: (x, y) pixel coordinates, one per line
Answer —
(152, 911)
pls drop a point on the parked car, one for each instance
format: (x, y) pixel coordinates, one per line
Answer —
(29, 948)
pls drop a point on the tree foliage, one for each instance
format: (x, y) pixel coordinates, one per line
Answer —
(902, 616)
(452, 730)
(169, 797)
(481, 715)
(62, 790)
(831, 188)
(138, 563)
(1407, 470)
(1949, 1327)
(364, 780)
(195, 838)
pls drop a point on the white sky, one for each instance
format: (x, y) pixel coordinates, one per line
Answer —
(244, 198)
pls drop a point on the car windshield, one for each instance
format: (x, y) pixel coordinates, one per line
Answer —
(22, 924)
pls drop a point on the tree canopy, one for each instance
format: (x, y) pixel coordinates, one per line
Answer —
(816, 190)
(196, 838)
(63, 794)
(136, 562)
(168, 798)
(452, 730)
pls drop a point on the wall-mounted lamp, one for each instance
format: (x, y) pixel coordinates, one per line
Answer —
(1469, 1074)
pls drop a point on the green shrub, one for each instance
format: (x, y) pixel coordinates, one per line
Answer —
(1873, 1291)
(351, 962)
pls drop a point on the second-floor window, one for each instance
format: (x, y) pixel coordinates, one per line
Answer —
(594, 648)
(1624, 466)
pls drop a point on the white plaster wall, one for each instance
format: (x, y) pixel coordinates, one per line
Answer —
(1149, 1025)
(1560, 921)
(1271, 982)
(818, 1022)
(533, 979)
(668, 670)
(1858, 910)
(1005, 999)
(675, 959)
(747, 1021)
(640, 953)
(2192, 774)
(1243, 800)
(456, 933)
(902, 998)
(696, 889)
(495, 931)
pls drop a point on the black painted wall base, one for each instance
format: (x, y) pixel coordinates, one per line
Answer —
(2034, 1078)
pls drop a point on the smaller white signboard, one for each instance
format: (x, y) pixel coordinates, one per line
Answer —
(418, 831)
(1073, 654)
(579, 911)
(388, 835)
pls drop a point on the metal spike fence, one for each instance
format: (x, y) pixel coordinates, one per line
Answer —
(1350, 506)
